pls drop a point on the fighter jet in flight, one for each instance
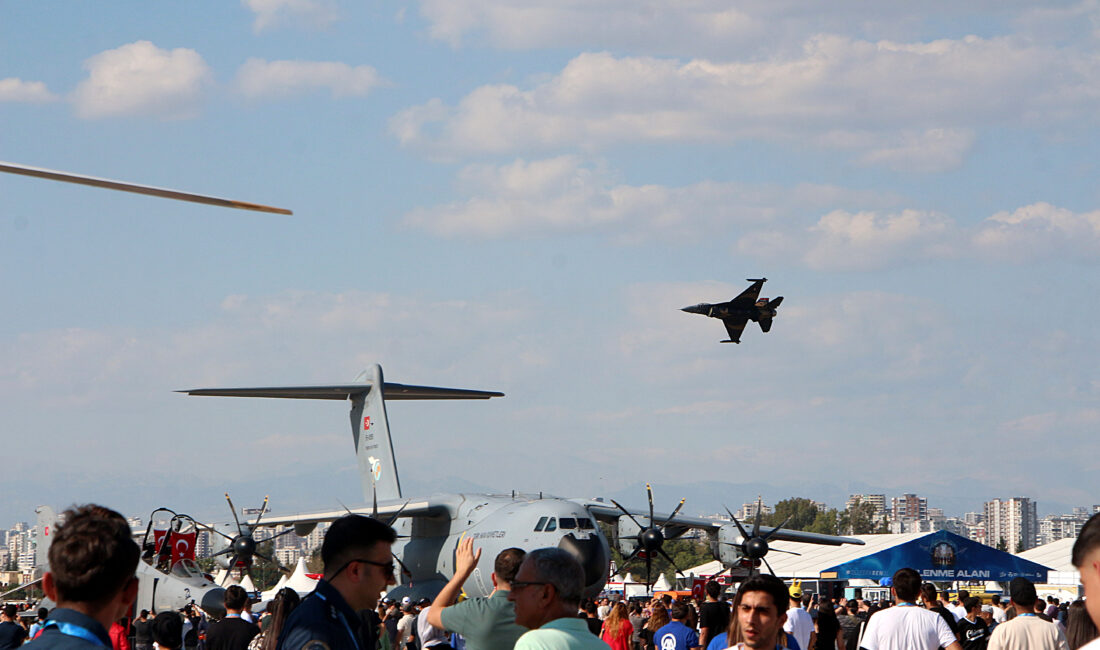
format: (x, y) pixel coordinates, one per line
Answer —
(739, 311)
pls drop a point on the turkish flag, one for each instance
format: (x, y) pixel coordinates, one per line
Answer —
(183, 546)
(158, 537)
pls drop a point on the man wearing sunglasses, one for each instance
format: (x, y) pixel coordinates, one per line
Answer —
(91, 578)
(546, 593)
(358, 567)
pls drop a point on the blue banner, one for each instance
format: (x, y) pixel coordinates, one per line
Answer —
(940, 556)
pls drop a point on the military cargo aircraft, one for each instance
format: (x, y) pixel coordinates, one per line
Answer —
(431, 527)
(736, 313)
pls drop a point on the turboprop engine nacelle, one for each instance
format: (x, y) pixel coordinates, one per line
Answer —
(627, 537)
(726, 546)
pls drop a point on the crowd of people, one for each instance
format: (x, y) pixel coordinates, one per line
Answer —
(537, 604)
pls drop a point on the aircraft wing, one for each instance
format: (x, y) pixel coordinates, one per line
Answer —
(748, 296)
(386, 509)
(734, 327)
(608, 513)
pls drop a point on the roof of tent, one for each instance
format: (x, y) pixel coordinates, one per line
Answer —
(818, 562)
(1055, 555)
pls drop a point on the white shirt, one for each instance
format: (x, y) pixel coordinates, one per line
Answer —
(998, 614)
(907, 627)
(800, 625)
(958, 611)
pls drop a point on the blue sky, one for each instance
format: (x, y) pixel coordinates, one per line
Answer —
(520, 196)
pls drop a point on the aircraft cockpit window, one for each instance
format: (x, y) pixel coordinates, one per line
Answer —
(585, 524)
(542, 522)
(186, 569)
(551, 525)
(568, 523)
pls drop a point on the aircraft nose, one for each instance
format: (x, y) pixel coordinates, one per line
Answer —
(592, 555)
(213, 603)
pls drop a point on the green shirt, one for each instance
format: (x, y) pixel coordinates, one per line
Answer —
(567, 633)
(485, 623)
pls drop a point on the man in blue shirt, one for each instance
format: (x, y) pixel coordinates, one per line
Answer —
(91, 578)
(676, 635)
(358, 566)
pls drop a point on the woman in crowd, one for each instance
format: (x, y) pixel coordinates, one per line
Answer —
(1079, 627)
(281, 606)
(617, 630)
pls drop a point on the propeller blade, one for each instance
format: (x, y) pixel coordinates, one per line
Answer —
(285, 532)
(213, 530)
(669, 558)
(648, 568)
(779, 550)
(756, 526)
(397, 514)
(649, 492)
(740, 528)
(675, 512)
(627, 513)
(374, 507)
(765, 561)
(263, 557)
(633, 554)
(772, 531)
(224, 551)
(263, 511)
(233, 511)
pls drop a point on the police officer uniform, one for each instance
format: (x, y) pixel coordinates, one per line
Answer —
(325, 621)
(68, 629)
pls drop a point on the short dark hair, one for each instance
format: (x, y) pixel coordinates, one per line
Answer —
(1087, 540)
(43, 612)
(970, 603)
(713, 588)
(10, 611)
(928, 591)
(168, 629)
(349, 537)
(507, 563)
(963, 595)
(559, 568)
(1022, 592)
(906, 584)
(996, 598)
(679, 610)
(770, 585)
(92, 556)
(235, 597)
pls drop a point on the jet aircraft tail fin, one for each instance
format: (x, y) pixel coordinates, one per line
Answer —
(44, 529)
(370, 427)
(765, 324)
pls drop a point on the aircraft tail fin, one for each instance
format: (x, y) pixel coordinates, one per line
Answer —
(765, 324)
(46, 523)
(370, 427)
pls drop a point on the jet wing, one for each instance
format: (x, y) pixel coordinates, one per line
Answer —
(734, 327)
(748, 296)
(608, 513)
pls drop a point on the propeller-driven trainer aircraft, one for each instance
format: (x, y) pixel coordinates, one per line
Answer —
(430, 528)
(736, 313)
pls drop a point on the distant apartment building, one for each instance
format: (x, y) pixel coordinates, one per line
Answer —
(1055, 527)
(876, 500)
(908, 506)
(748, 510)
(1012, 522)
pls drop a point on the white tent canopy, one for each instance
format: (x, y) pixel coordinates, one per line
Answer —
(270, 593)
(299, 581)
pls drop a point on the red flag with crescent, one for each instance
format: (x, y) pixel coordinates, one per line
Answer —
(183, 546)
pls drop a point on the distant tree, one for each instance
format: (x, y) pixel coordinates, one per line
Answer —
(859, 519)
(1002, 545)
(802, 514)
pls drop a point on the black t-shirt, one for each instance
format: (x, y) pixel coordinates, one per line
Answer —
(973, 636)
(715, 616)
(948, 617)
(11, 635)
(594, 625)
(143, 632)
(230, 634)
(827, 627)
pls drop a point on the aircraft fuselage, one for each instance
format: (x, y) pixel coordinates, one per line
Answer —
(496, 522)
(724, 310)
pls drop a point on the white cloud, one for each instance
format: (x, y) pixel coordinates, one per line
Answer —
(259, 78)
(572, 194)
(906, 105)
(1039, 231)
(29, 92)
(271, 14)
(144, 80)
(699, 27)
